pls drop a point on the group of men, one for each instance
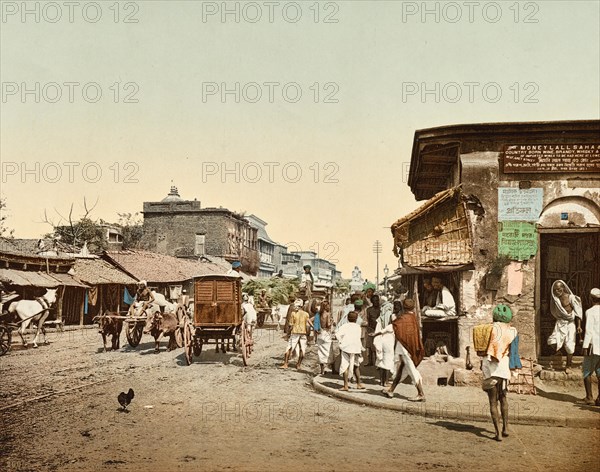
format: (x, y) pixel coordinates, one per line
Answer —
(369, 329)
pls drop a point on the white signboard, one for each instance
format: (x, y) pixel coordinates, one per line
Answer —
(515, 204)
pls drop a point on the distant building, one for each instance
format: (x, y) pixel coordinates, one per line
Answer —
(181, 228)
(266, 247)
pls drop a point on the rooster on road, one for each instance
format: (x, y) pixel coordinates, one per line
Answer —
(125, 398)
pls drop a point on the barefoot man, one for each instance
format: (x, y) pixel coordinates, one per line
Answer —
(409, 350)
(351, 346)
(298, 321)
(566, 309)
(495, 367)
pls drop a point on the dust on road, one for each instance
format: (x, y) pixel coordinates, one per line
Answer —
(59, 411)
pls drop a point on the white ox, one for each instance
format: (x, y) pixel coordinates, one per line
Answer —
(34, 310)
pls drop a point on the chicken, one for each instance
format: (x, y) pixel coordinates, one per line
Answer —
(125, 398)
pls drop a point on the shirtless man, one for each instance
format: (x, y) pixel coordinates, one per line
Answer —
(566, 309)
(143, 294)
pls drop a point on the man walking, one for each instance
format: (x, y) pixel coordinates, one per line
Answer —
(591, 348)
(298, 321)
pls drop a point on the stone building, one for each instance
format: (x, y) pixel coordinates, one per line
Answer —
(512, 207)
(266, 248)
(181, 228)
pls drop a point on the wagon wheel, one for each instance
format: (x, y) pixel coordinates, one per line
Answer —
(188, 341)
(181, 317)
(5, 338)
(244, 346)
(134, 333)
(198, 347)
(260, 318)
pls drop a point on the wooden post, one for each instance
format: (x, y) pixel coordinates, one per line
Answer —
(81, 310)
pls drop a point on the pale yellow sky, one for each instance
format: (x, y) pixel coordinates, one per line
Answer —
(360, 80)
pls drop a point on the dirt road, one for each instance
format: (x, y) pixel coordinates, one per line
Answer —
(59, 411)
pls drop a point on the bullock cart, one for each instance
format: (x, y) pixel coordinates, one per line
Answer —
(217, 317)
(135, 324)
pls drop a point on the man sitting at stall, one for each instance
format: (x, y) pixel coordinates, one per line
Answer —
(445, 305)
(429, 295)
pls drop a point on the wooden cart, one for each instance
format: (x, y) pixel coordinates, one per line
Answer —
(217, 317)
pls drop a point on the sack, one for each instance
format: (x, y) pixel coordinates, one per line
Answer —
(489, 384)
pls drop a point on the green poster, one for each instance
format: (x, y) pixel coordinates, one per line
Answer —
(517, 239)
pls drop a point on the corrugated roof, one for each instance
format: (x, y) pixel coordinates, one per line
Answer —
(98, 272)
(160, 268)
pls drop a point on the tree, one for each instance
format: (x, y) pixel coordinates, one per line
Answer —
(4, 231)
(341, 286)
(132, 229)
(279, 289)
(75, 232)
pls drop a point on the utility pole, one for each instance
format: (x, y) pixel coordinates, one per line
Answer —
(377, 251)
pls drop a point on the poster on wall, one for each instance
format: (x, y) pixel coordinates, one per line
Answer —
(515, 204)
(517, 239)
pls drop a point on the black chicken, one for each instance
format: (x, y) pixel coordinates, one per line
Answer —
(125, 398)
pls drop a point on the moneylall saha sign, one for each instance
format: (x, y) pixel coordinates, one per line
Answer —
(551, 158)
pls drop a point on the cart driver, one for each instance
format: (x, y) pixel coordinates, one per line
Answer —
(143, 294)
(236, 268)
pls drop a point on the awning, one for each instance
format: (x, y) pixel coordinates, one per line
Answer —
(25, 278)
(408, 270)
(437, 234)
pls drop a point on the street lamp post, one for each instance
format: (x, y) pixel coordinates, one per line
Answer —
(377, 251)
(386, 271)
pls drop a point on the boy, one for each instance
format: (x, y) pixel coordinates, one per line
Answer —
(348, 336)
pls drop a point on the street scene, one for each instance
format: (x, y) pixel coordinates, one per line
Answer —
(327, 236)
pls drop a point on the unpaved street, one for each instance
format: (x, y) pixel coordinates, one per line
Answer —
(60, 412)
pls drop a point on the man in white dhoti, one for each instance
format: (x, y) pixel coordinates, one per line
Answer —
(445, 304)
(351, 346)
(324, 337)
(383, 342)
(566, 309)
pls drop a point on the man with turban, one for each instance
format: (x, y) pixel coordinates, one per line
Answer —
(496, 367)
(566, 310)
(142, 295)
(236, 267)
(307, 281)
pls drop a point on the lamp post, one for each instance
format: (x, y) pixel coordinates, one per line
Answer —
(377, 251)
(386, 271)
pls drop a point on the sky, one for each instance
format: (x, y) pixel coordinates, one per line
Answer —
(302, 113)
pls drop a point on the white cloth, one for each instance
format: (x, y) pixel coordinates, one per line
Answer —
(324, 342)
(344, 320)
(348, 336)
(491, 368)
(233, 273)
(564, 333)
(250, 315)
(384, 346)
(349, 361)
(592, 330)
(558, 311)
(297, 340)
(445, 305)
(409, 369)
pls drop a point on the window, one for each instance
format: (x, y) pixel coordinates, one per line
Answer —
(199, 247)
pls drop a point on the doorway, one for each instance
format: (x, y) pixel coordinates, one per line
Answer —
(571, 256)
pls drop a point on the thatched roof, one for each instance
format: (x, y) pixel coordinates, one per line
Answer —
(159, 268)
(98, 272)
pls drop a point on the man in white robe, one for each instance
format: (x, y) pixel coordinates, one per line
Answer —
(445, 304)
(566, 309)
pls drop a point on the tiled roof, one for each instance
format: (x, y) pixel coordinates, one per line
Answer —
(98, 271)
(159, 268)
(29, 278)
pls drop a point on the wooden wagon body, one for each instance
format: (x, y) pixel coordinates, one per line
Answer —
(217, 317)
